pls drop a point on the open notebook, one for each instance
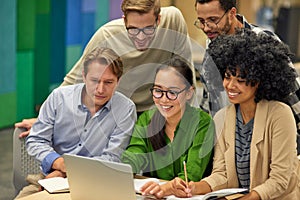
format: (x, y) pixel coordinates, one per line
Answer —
(229, 194)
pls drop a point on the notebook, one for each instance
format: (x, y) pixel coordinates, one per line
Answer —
(55, 184)
(94, 179)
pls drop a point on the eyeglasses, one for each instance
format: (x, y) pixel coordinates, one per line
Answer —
(210, 23)
(170, 94)
(149, 30)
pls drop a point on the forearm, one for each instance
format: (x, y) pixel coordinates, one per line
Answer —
(201, 187)
(167, 188)
(48, 163)
(253, 195)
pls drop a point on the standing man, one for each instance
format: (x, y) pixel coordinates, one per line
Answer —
(88, 119)
(216, 17)
(146, 36)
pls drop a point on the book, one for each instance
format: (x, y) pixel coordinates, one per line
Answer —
(229, 194)
(55, 184)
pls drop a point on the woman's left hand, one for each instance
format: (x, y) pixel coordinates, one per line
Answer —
(152, 188)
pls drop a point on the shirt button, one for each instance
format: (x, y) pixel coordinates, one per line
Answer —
(79, 145)
(85, 130)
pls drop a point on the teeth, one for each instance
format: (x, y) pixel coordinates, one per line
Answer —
(233, 93)
(166, 107)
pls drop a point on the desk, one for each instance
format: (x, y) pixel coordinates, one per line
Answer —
(44, 195)
(66, 196)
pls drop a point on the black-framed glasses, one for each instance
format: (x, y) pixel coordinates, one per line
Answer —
(170, 94)
(210, 23)
(149, 30)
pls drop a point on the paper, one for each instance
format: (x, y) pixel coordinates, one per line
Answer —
(138, 183)
(213, 195)
(172, 197)
(224, 193)
(55, 184)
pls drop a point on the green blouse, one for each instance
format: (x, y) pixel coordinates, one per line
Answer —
(192, 143)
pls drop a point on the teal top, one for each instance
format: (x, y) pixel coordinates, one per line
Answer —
(192, 143)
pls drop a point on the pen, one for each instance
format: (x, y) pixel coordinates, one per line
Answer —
(185, 173)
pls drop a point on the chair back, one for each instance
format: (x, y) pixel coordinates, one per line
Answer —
(23, 164)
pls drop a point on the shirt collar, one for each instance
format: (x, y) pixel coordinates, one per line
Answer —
(244, 21)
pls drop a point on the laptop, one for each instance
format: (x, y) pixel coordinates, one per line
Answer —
(94, 179)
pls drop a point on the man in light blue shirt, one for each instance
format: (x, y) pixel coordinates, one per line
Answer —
(89, 119)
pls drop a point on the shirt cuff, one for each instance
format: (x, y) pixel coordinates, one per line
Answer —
(48, 161)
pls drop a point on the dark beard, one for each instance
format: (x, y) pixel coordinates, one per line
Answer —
(225, 30)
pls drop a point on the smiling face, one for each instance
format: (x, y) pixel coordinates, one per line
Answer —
(221, 20)
(237, 90)
(169, 79)
(135, 20)
(100, 84)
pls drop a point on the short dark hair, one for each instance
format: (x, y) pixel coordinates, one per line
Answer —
(225, 4)
(104, 56)
(261, 59)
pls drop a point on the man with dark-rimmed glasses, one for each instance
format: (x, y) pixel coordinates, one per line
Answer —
(210, 23)
(216, 17)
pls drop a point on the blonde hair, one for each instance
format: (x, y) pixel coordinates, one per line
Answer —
(104, 56)
(141, 6)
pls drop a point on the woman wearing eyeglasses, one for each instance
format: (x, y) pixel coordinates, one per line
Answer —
(171, 133)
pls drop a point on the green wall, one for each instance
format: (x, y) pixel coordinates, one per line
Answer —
(40, 42)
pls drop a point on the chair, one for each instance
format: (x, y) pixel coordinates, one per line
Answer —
(23, 164)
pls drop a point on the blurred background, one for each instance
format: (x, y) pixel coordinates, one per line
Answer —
(42, 39)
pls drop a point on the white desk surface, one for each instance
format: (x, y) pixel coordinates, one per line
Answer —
(65, 196)
(45, 195)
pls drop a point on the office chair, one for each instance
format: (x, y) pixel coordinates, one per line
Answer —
(23, 164)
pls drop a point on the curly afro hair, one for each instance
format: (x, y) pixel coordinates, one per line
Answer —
(260, 58)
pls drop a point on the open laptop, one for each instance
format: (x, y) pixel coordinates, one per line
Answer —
(98, 179)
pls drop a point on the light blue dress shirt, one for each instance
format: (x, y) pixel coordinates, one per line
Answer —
(65, 125)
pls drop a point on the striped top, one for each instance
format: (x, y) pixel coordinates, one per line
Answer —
(243, 136)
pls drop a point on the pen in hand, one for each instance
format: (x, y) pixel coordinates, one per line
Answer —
(185, 174)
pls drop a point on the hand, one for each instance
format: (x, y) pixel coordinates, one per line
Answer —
(59, 164)
(56, 173)
(190, 190)
(180, 189)
(152, 188)
(26, 123)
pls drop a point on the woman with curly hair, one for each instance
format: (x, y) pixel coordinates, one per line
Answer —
(256, 134)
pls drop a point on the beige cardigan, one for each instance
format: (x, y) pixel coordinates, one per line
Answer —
(274, 166)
